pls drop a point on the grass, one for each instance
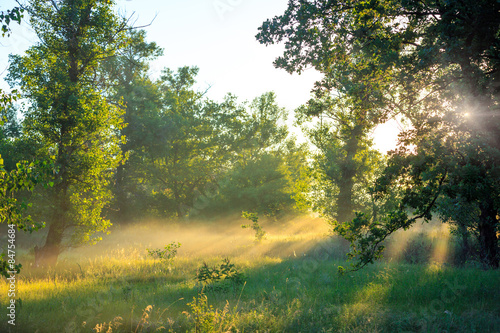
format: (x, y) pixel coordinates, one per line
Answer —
(291, 285)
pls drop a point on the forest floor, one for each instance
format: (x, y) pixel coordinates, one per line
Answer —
(289, 283)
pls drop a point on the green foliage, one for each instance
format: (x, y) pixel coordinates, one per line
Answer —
(269, 173)
(69, 113)
(428, 63)
(208, 319)
(6, 114)
(8, 268)
(11, 15)
(199, 157)
(217, 276)
(260, 185)
(344, 106)
(167, 254)
(19, 178)
(193, 141)
(260, 234)
(22, 179)
(343, 177)
(139, 95)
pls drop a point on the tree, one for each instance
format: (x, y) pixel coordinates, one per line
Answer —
(18, 176)
(344, 102)
(345, 170)
(346, 161)
(442, 61)
(132, 89)
(269, 171)
(192, 141)
(69, 113)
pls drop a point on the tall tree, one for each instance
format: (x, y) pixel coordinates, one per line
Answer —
(345, 168)
(269, 170)
(344, 102)
(268, 163)
(132, 89)
(69, 112)
(443, 59)
(193, 139)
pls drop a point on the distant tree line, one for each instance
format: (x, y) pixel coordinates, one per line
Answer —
(121, 146)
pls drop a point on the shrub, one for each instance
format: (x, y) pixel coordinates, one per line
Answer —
(208, 319)
(168, 253)
(418, 250)
(211, 277)
(259, 232)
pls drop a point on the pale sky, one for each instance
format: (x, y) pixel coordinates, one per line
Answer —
(218, 36)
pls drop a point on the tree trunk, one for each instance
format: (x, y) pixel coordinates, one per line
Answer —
(345, 210)
(465, 248)
(122, 204)
(344, 200)
(488, 240)
(47, 255)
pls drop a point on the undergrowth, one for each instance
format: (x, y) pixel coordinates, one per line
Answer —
(122, 290)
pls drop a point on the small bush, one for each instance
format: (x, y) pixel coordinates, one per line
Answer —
(208, 319)
(418, 250)
(168, 253)
(211, 277)
(260, 234)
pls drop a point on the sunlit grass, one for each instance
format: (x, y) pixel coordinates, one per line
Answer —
(291, 278)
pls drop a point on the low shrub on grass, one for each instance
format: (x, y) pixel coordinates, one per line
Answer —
(219, 277)
(260, 234)
(418, 250)
(208, 319)
(165, 255)
(168, 253)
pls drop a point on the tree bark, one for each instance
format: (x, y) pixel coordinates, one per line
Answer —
(488, 240)
(48, 254)
(345, 210)
(121, 199)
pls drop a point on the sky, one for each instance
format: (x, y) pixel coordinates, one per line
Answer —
(218, 36)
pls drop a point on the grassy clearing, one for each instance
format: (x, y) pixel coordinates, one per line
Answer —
(291, 286)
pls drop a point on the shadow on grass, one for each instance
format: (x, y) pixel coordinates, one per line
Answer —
(302, 293)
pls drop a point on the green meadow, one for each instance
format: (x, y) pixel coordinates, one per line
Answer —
(159, 196)
(290, 284)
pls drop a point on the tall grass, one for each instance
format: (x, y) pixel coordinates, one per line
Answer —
(291, 278)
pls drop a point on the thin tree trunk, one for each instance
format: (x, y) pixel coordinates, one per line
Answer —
(345, 210)
(120, 196)
(488, 240)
